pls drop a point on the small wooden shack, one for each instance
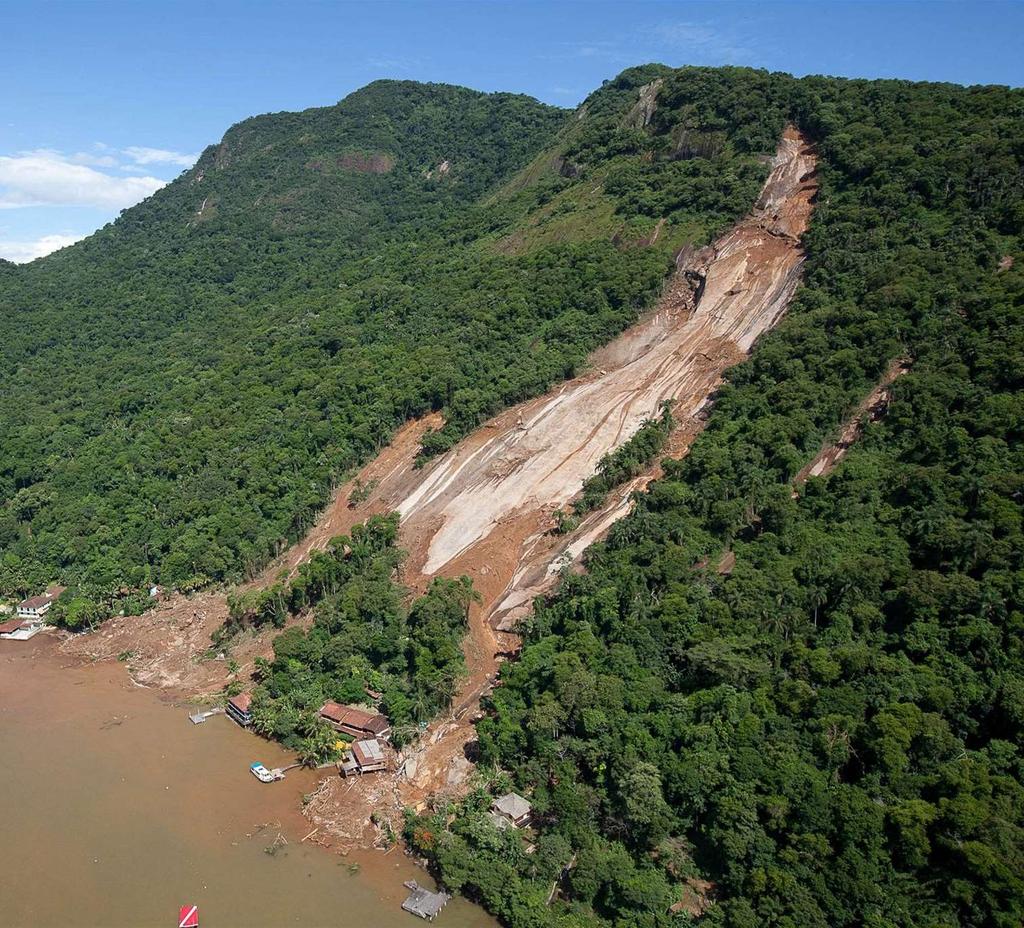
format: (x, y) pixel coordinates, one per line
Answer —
(366, 756)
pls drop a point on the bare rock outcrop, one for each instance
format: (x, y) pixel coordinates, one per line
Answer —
(641, 113)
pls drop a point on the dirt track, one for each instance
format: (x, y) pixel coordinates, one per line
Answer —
(485, 508)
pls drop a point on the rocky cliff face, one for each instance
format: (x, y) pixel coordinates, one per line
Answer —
(643, 110)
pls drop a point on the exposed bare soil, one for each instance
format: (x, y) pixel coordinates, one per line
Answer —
(871, 409)
(485, 508)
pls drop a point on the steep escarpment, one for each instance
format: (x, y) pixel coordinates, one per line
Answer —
(497, 489)
(716, 306)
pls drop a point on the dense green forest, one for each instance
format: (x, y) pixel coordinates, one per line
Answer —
(180, 392)
(367, 642)
(830, 732)
(626, 461)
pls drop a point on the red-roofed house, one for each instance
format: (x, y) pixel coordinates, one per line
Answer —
(358, 723)
(21, 628)
(35, 607)
(12, 625)
(240, 709)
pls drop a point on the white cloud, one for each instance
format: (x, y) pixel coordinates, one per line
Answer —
(97, 161)
(48, 178)
(142, 155)
(21, 252)
(700, 40)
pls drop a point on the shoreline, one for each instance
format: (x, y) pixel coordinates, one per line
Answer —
(45, 689)
(48, 646)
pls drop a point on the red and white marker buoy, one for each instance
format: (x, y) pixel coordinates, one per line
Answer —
(188, 916)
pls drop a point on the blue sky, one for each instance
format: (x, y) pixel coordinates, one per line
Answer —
(105, 101)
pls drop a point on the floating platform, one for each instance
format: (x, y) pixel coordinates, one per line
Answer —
(423, 902)
(197, 718)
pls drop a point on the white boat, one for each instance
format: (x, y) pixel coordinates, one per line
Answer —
(262, 774)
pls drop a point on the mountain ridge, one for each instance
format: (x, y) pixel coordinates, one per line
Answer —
(761, 701)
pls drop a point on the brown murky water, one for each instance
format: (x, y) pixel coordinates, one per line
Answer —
(115, 810)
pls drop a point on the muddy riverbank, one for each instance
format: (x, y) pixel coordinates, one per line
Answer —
(116, 810)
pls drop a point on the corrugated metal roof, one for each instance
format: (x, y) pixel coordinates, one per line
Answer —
(423, 902)
(512, 804)
(368, 752)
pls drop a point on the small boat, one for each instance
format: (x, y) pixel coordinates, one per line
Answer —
(261, 773)
(188, 916)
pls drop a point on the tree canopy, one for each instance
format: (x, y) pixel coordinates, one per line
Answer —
(826, 732)
(180, 392)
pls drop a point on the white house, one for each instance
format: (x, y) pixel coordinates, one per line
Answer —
(35, 607)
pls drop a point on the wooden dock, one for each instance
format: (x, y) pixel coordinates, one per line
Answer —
(197, 718)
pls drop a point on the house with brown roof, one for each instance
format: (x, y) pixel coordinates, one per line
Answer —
(240, 709)
(20, 629)
(23, 626)
(10, 625)
(35, 607)
(355, 722)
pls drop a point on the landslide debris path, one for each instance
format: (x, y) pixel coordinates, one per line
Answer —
(872, 408)
(485, 508)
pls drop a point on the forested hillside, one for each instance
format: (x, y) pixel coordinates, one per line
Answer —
(773, 704)
(179, 392)
(828, 731)
(366, 636)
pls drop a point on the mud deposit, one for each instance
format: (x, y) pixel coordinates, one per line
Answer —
(116, 810)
